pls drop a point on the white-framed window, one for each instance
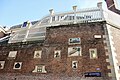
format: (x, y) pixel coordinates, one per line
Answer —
(2, 64)
(93, 53)
(97, 36)
(12, 54)
(74, 64)
(74, 51)
(37, 54)
(57, 54)
(74, 40)
(40, 69)
(17, 65)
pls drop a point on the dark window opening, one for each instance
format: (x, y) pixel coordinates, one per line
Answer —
(17, 65)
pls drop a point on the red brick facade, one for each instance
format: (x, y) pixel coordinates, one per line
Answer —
(57, 38)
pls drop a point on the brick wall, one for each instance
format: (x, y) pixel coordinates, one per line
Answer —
(57, 38)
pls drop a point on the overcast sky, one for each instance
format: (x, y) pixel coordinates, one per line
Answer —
(13, 12)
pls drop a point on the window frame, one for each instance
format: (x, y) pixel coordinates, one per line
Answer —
(38, 67)
(79, 41)
(76, 64)
(12, 54)
(39, 52)
(16, 63)
(59, 53)
(78, 53)
(2, 64)
(96, 54)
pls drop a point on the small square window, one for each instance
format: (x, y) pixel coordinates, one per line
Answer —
(2, 64)
(74, 64)
(74, 51)
(93, 53)
(37, 54)
(57, 54)
(74, 41)
(40, 68)
(17, 65)
(12, 54)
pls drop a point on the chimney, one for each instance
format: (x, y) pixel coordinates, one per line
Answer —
(99, 4)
